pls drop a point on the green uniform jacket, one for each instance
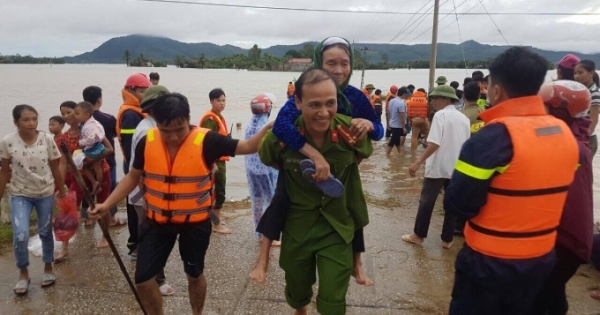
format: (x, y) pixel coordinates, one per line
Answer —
(472, 112)
(345, 214)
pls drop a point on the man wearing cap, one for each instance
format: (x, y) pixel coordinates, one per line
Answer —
(449, 130)
(141, 130)
(368, 90)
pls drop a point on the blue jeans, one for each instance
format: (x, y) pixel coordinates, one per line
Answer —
(21, 208)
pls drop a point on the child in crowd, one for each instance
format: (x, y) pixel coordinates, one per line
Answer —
(90, 139)
(56, 126)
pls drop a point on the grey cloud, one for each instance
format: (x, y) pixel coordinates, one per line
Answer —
(59, 27)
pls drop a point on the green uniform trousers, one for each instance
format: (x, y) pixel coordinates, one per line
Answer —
(322, 250)
(220, 181)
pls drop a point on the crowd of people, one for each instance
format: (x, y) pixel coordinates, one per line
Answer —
(527, 225)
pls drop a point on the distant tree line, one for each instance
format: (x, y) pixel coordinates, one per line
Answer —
(255, 60)
(29, 59)
(141, 61)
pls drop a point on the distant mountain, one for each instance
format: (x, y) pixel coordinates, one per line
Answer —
(166, 49)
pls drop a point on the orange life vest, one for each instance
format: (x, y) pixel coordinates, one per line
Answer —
(375, 99)
(129, 103)
(366, 92)
(290, 90)
(417, 105)
(178, 191)
(525, 201)
(222, 126)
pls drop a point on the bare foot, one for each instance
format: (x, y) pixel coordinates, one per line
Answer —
(220, 228)
(103, 243)
(62, 256)
(302, 311)
(361, 276)
(412, 238)
(259, 273)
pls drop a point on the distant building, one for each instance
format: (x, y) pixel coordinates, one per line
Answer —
(298, 64)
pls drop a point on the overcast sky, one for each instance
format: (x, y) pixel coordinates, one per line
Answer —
(71, 27)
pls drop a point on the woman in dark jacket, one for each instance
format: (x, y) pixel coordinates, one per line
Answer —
(575, 231)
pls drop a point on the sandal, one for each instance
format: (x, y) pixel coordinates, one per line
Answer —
(166, 290)
(48, 279)
(118, 222)
(331, 186)
(22, 287)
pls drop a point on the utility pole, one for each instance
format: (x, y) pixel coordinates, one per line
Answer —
(362, 78)
(434, 36)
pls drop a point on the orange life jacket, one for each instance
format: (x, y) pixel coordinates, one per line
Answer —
(222, 126)
(129, 103)
(525, 201)
(178, 191)
(366, 92)
(417, 105)
(290, 90)
(375, 99)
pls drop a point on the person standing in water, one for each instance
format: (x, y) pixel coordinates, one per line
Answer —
(335, 56)
(214, 121)
(33, 159)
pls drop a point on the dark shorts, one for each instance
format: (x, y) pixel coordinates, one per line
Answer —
(157, 241)
(396, 134)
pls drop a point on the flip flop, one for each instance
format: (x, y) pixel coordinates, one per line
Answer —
(331, 186)
(166, 290)
(50, 278)
(22, 285)
(118, 222)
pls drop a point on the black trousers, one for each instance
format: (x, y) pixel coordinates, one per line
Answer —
(429, 193)
(552, 298)
(273, 220)
(132, 226)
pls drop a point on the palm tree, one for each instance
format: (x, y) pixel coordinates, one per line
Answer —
(127, 56)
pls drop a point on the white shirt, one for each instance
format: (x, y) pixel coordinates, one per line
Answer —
(92, 132)
(140, 131)
(31, 175)
(449, 129)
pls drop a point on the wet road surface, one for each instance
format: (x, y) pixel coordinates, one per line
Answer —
(410, 279)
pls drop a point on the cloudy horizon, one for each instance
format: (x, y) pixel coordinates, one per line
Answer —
(67, 28)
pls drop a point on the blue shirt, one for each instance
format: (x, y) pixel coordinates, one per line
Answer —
(285, 131)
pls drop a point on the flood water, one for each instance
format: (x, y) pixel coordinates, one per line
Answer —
(46, 86)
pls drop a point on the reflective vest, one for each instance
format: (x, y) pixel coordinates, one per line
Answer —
(178, 191)
(417, 105)
(525, 201)
(222, 126)
(128, 100)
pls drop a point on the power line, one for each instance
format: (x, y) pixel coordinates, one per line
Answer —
(367, 12)
(404, 27)
(445, 16)
(460, 37)
(499, 31)
(374, 21)
(445, 27)
(423, 19)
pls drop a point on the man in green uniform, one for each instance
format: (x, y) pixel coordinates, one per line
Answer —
(319, 229)
(472, 109)
(214, 121)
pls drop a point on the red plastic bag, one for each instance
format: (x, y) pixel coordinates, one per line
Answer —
(67, 220)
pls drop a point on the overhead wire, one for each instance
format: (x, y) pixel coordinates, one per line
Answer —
(443, 18)
(451, 23)
(371, 24)
(423, 19)
(389, 19)
(499, 31)
(460, 38)
(404, 27)
(245, 6)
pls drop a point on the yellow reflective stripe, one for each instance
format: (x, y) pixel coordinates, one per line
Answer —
(478, 172)
(199, 138)
(127, 131)
(150, 135)
(476, 126)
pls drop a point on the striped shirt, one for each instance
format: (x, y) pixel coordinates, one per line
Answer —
(595, 91)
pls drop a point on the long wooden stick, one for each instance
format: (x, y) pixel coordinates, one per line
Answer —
(90, 201)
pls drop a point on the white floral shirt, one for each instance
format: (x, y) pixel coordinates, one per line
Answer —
(31, 174)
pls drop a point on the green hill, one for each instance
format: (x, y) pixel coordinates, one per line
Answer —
(166, 49)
